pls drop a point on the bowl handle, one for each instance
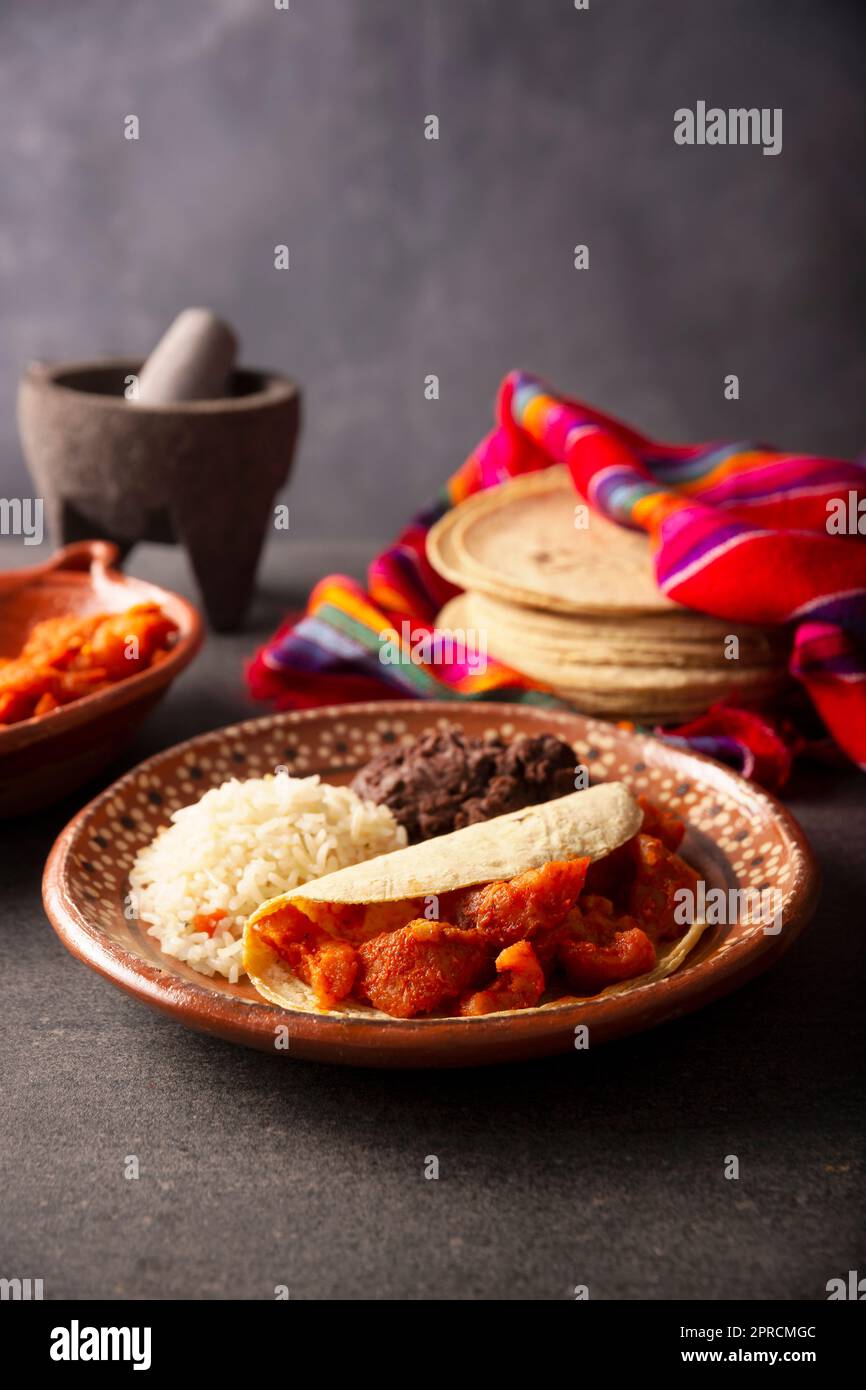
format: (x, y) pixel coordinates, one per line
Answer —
(98, 556)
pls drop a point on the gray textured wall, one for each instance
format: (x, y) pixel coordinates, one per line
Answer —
(408, 256)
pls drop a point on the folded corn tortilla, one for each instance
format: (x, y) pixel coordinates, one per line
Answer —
(588, 824)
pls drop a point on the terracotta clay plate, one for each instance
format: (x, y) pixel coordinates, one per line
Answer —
(46, 757)
(738, 837)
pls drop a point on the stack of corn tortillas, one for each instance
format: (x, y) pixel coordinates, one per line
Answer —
(570, 599)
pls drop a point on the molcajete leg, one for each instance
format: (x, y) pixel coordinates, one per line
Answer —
(67, 524)
(224, 543)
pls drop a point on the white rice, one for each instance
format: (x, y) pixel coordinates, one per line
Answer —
(242, 843)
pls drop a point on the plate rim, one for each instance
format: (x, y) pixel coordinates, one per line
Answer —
(357, 1040)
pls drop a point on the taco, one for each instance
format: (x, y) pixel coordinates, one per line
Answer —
(562, 900)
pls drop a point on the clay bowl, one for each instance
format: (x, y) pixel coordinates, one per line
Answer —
(737, 837)
(44, 758)
(203, 473)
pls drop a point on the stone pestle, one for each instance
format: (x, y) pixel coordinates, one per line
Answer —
(192, 361)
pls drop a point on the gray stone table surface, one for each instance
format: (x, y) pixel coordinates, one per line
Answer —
(602, 1168)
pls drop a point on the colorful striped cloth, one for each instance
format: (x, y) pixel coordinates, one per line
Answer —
(738, 531)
